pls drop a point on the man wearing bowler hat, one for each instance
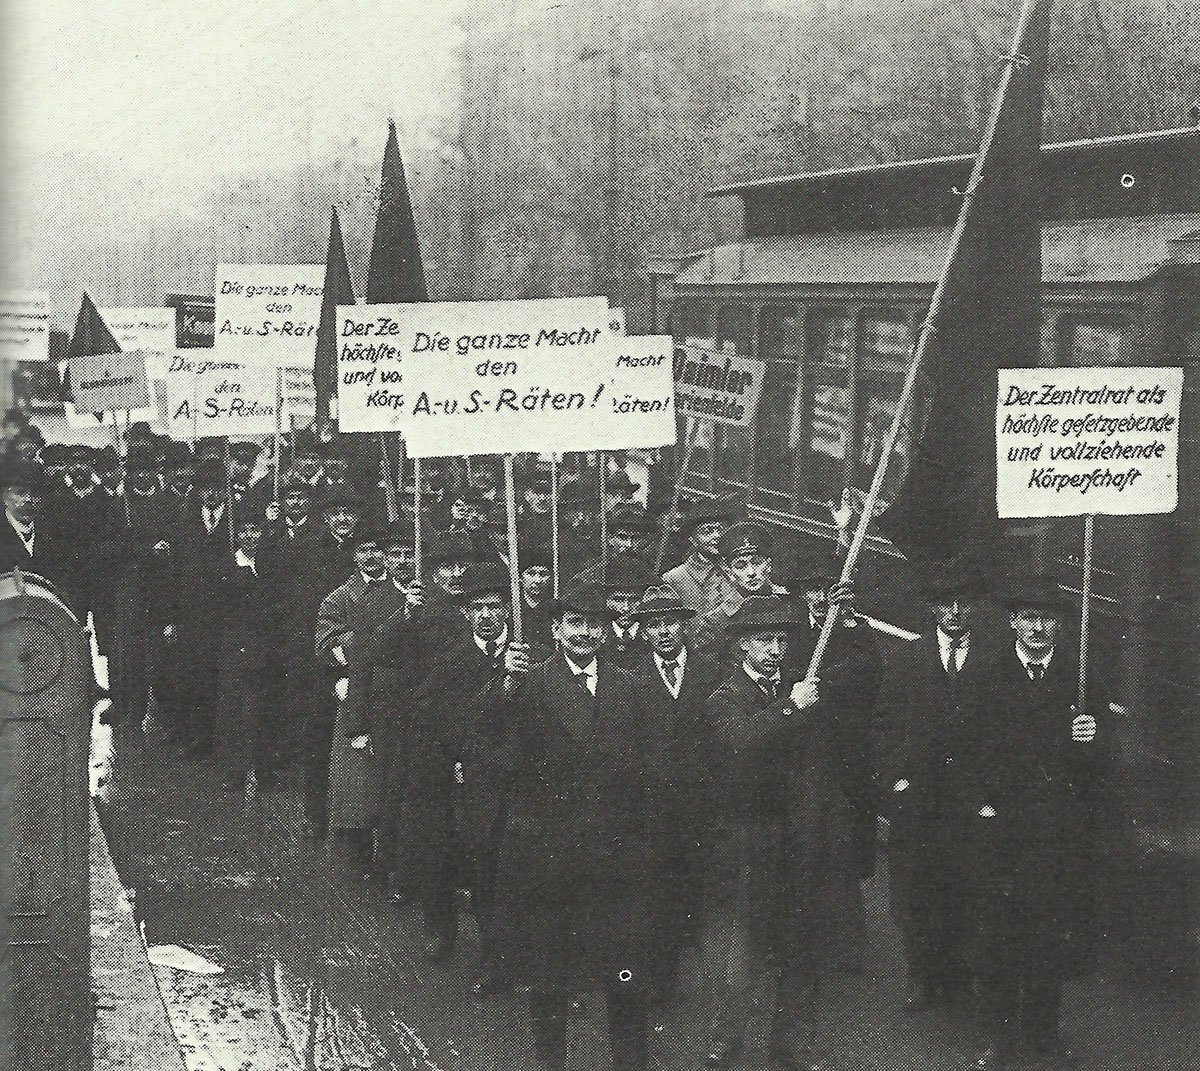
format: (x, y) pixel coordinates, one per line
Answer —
(573, 868)
(674, 682)
(929, 715)
(699, 580)
(1041, 806)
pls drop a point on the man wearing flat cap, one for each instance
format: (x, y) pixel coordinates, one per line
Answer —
(1042, 805)
(573, 872)
(674, 683)
(746, 549)
(929, 716)
(699, 580)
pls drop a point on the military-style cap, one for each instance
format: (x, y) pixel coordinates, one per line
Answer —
(662, 602)
(1042, 591)
(766, 613)
(179, 455)
(746, 537)
(485, 578)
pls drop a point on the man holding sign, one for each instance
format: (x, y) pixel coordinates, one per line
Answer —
(1040, 812)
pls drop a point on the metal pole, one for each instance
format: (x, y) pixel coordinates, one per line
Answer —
(1085, 618)
(928, 330)
(690, 437)
(514, 566)
(554, 523)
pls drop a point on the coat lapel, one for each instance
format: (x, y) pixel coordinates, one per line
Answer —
(570, 702)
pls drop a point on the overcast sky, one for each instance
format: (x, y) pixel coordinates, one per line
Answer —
(220, 83)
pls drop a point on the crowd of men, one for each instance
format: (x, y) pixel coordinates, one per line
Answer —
(650, 769)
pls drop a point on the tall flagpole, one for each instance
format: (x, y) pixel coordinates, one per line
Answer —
(929, 330)
(554, 524)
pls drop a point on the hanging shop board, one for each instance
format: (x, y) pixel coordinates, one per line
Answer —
(1077, 441)
(267, 314)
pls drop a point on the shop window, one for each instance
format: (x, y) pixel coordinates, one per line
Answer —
(781, 442)
(1093, 341)
(827, 405)
(885, 343)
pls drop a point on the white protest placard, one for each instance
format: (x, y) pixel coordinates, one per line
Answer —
(640, 410)
(716, 385)
(149, 329)
(109, 382)
(24, 325)
(474, 360)
(299, 394)
(268, 313)
(207, 395)
(1074, 441)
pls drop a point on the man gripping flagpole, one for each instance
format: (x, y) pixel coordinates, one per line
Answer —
(984, 315)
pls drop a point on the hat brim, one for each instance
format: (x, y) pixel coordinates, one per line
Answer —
(674, 610)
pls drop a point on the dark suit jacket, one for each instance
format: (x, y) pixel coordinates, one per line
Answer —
(931, 723)
(51, 558)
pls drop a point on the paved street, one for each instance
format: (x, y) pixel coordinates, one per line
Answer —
(320, 971)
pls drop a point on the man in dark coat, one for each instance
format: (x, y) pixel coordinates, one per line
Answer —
(626, 581)
(574, 871)
(1042, 802)
(793, 828)
(398, 674)
(26, 539)
(537, 580)
(201, 557)
(674, 683)
(630, 529)
(929, 713)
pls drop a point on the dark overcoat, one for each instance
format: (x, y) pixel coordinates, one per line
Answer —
(1052, 797)
(678, 796)
(574, 872)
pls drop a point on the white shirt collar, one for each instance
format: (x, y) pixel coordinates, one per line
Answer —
(501, 641)
(25, 532)
(945, 641)
(1028, 661)
(591, 670)
(629, 633)
(757, 677)
(680, 661)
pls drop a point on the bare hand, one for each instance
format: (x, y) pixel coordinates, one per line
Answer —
(1083, 729)
(415, 595)
(272, 512)
(516, 658)
(804, 693)
(841, 594)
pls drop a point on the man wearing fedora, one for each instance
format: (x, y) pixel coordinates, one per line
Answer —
(1040, 814)
(674, 682)
(629, 529)
(929, 713)
(699, 579)
(574, 872)
(776, 845)
(626, 580)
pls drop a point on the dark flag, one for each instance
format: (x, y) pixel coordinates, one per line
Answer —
(90, 337)
(338, 291)
(989, 318)
(395, 272)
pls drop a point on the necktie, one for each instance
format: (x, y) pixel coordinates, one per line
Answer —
(1036, 671)
(952, 656)
(491, 647)
(769, 687)
(670, 668)
(581, 675)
